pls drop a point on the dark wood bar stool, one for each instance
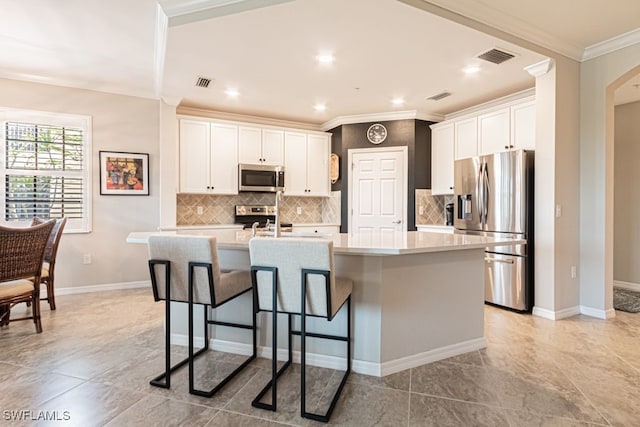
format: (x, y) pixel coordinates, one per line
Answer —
(192, 274)
(296, 276)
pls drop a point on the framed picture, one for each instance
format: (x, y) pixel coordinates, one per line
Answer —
(124, 174)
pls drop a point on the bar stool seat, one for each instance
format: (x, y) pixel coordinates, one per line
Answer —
(296, 276)
(192, 274)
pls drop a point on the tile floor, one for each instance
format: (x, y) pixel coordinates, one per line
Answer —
(93, 362)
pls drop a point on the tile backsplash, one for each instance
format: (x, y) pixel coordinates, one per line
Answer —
(220, 209)
(433, 207)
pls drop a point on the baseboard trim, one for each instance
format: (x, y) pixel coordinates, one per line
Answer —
(630, 286)
(598, 313)
(339, 363)
(557, 314)
(398, 365)
(102, 288)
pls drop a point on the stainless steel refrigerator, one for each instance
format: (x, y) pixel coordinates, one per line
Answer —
(494, 197)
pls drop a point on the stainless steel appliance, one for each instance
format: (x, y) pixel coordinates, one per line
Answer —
(264, 215)
(494, 197)
(262, 178)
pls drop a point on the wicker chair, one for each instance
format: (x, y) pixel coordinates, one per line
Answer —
(50, 252)
(21, 252)
(296, 277)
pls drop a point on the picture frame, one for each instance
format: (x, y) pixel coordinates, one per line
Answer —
(124, 174)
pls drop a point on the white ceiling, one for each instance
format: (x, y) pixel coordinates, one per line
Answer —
(266, 49)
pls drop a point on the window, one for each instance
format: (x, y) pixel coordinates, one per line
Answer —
(46, 168)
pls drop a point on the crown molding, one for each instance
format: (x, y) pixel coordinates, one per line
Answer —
(524, 95)
(540, 68)
(611, 45)
(234, 117)
(380, 117)
(498, 19)
(159, 48)
(199, 10)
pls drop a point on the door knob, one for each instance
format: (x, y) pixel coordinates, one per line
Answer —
(397, 221)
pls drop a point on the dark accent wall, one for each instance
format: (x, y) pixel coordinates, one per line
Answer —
(414, 134)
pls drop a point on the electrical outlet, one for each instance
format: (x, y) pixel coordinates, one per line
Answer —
(299, 210)
(86, 259)
(558, 211)
(574, 272)
(421, 210)
(199, 210)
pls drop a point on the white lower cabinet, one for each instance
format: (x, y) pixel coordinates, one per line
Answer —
(316, 229)
(306, 161)
(206, 152)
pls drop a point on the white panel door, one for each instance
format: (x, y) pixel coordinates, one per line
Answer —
(378, 191)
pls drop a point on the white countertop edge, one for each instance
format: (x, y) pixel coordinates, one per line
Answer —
(142, 237)
(448, 227)
(200, 227)
(314, 224)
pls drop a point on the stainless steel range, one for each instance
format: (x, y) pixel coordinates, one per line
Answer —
(264, 215)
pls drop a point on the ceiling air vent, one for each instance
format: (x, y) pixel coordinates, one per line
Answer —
(203, 82)
(496, 56)
(439, 96)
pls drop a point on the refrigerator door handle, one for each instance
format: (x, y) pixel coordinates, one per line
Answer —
(502, 261)
(480, 193)
(485, 195)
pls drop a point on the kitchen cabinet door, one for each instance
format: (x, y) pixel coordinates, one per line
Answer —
(318, 152)
(442, 142)
(224, 159)
(494, 131)
(272, 147)
(466, 138)
(249, 145)
(295, 163)
(523, 126)
(195, 155)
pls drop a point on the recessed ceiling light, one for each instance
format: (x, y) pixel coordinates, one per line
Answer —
(320, 107)
(397, 101)
(325, 58)
(233, 93)
(472, 69)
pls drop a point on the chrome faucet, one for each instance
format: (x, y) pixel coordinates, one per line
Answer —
(276, 232)
(254, 227)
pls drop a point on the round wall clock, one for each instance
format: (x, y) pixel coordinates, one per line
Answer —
(376, 133)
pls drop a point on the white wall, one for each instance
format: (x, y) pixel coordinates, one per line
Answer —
(596, 175)
(120, 123)
(626, 240)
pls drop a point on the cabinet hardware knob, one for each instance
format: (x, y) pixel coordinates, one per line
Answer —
(506, 147)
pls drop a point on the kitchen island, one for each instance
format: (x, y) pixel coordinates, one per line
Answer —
(418, 297)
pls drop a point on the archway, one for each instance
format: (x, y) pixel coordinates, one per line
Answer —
(610, 173)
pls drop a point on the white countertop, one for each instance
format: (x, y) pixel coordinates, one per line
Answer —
(200, 227)
(412, 242)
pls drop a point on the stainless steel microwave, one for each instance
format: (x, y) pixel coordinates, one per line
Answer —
(264, 178)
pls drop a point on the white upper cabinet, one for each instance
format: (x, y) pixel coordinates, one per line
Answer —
(494, 132)
(466, 138)
(307, 164)
(224, 158)
(208, 157)
(442, 159)
(523, 125)
(195, 148)
(260, 146)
